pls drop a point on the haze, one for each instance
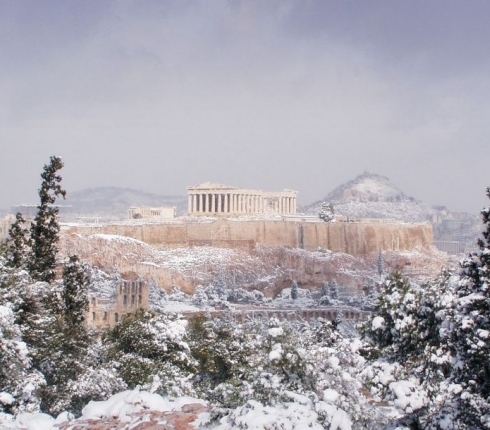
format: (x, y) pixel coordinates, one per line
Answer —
(161, 95)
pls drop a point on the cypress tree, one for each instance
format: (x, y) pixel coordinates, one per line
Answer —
(380, 263)
(334, 290)
(294, 290)
(75, 292)
(45, 227)
(325, 289)
(17, 243)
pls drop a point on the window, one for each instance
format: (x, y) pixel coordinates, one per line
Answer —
(125, 299)
(116, 317)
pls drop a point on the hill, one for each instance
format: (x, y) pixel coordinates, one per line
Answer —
(112, 203)
(373, 196)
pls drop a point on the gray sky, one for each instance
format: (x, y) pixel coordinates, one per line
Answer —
(159, 95)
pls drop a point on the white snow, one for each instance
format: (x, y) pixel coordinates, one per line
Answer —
(120, 406)
(378, 323)
(276, 331)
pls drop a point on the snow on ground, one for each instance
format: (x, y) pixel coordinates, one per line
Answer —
(126, 407)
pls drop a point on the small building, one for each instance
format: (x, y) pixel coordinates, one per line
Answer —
(151, 213)
(130, 296)
(217, 199)
(5, 224)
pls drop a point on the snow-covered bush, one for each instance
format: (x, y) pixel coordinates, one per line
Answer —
(145, 345)
(326, 212)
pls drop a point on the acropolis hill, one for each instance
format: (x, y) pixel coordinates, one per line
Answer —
(355, 238)
(237, 218)
(257, 227)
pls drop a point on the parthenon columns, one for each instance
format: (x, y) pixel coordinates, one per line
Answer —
(216, 199)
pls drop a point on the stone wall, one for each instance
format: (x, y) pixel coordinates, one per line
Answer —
(355, 238)
(131, 295)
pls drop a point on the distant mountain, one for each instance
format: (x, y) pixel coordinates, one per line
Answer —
(112, 203)
(373, 196)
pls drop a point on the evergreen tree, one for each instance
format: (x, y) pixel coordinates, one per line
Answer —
(17, 243)
(391, 326)
(325, 290)
(380, 263)
(75, 292)
(334, 290)
(45, 227)
(294, 290)
(144, 345)
(326, 212)
(64, 356)
(470, 337)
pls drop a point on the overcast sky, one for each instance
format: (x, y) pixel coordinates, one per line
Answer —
(160, 95)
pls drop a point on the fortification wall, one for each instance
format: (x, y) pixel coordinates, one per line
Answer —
(357, 239)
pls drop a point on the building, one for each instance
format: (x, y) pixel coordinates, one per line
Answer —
(5, 224)
(130, 296)
(217, 199)
(146, 212)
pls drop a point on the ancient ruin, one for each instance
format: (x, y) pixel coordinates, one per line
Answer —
(5, 224)
(150, 213)
(217, 199)
(130, 296)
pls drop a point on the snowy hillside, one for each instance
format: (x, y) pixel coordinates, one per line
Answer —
(112, 203)
(372, 196)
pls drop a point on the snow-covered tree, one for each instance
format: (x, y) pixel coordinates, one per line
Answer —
(45, 227)
(294, 290)
(470, 334)
(325, 290)
(391, 326)
(19, 382)
(334, 290)
(326, 212)
(144, 345)
(17, 243)
(380, 263)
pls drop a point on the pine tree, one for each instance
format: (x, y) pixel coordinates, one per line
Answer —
(334, 290)
(470, 338)
(17, 243)
(144, 344)
(45, 227)
(75, 292)
(294, 290)
(380, 263)
(324, 289)
(326, 212)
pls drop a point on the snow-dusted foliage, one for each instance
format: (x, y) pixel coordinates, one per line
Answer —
(469, 334)
(145, 346)
(326, 212)
(432, 346)
(294, 290)
(268, 365)
(45, 228)
(18, 380)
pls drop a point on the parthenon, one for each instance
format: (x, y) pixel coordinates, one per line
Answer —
(217, 199)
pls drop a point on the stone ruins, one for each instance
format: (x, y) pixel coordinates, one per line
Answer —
(217, 199)
(5, 224)
(130, 296)
(146, 212)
